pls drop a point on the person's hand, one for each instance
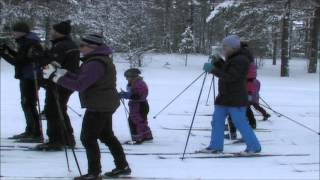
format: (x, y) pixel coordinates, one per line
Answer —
(48, 71)
(124, 95)
(208, 67)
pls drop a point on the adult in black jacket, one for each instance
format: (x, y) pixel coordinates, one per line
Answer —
(65, 52)
(28, 72)
(232, 98)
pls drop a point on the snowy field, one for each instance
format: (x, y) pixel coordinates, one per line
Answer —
(296, 97)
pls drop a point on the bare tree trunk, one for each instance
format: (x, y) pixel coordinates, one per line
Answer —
(275, 45)
(47, 30)
(285, 41)
(314, 41)
(186, 62)
(306, 39)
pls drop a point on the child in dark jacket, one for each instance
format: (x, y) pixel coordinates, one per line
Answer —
(137, 92)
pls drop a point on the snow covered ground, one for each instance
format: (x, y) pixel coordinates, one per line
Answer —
(296, 97)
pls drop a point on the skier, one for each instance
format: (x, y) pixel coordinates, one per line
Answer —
(252, 90)
(65, 52)
(137, 92)
(232, 98)
(28, 72)
(96, 83)
(255, 102)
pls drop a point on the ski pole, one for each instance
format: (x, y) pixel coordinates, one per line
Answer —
(175, 98)
(292, 120)
(35, 75)
(214, 89)
(125, 108)
(64, 131)
(211, 84)
(74, 111)
(127, 115)
(265, 102)
(194, 115)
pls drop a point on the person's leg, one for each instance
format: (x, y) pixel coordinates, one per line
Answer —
(69, 137)
(144, 110)
(92, 126)
(231, 127)
(260, 109)
(51, 112)
(107, 136)
(251, 118)
(136, 121)
(217, 133)
(32, 101)
(24, 93)
(239, 119)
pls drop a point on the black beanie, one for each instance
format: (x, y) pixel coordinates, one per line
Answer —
(21, 27)
(133, 72)
(63, 27)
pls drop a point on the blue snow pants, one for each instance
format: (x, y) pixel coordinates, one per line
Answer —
(239, 119)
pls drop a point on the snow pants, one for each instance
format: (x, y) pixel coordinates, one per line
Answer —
(55, 129)
(98, 125)
(138, 121)
(29, 106)
(239, 118)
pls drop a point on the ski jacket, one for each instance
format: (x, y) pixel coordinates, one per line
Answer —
(24, 60)
(95, 81)
(138, 90)
(232, 80)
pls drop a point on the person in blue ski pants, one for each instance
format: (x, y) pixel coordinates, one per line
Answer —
(232, 96)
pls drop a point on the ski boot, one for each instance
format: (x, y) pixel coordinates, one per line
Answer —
(233, 136)
(22, 135)
(49, 146)
(210, 151)
(88, 177)
(118, 172)
(266, 117)
(133, 142)
(248, 152)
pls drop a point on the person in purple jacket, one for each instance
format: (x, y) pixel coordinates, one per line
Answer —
(137, 92)
(96, 83)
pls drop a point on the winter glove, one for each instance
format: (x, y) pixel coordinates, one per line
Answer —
(53, 72)
(125, 95)
(48, 71)
(208, 67)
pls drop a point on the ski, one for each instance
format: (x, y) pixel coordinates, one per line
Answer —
(70, 178)
(200, 114)
(103, 151)
(207, 129)
(231, 155)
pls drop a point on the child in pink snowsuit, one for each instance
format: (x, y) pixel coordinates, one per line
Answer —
(137, 92)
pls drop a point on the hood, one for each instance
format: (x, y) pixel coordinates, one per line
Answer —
(101, 50)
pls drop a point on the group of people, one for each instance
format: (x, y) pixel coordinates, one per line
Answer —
(59, 71)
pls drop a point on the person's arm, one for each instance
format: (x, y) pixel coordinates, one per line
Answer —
(88, 75)
(236, 71)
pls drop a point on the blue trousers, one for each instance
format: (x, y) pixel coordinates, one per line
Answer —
(239, 119)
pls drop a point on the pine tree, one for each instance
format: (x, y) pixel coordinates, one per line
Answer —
(187, 43)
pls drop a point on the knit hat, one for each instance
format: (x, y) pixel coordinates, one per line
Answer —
(93, 39)
(232, 41)
(63, 27)
(21, 27)
(133, 72)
